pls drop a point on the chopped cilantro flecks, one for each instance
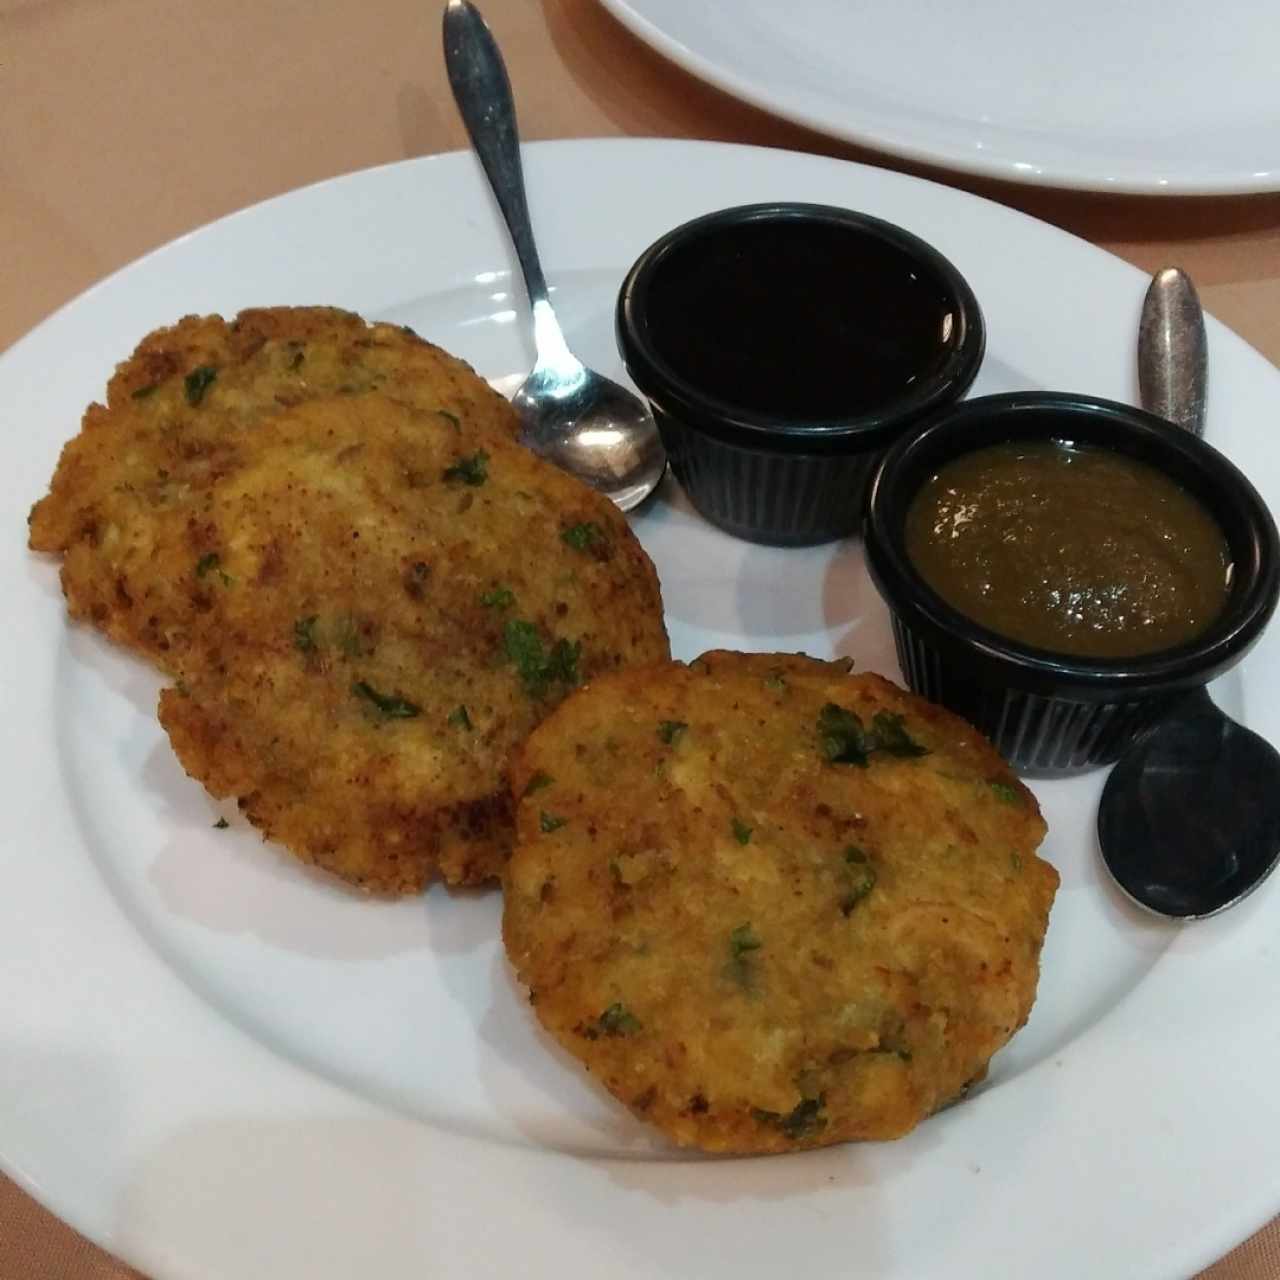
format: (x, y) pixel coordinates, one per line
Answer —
(742, 942)
(1006, 792)
(458, 716)
(775, 682)
(844, 740)
(498, 598)
(582, 537)
(473, 470)
(538, 666)
(524, 647)
(304, 634)
(391, 706)
(221, 825)
(539, 782)
(1015, 861)
(743, 939)
(198, 381)
(861, 878)
(892, 738)
(741, 832)
(618, 1020)
(451, 418)
(670, 731)
(143, 392)
(550, 822)
(210, 563)
(803, 1121)
(563, 661)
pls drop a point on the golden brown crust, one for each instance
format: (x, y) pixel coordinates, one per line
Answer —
(128, 489)
(757, 947)
(360, 684)
(332, 578)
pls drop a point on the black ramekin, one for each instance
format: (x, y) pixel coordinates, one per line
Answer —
(765, 476)
(1050, 713)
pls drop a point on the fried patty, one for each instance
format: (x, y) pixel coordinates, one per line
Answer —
(368, 597)
(125, 502)
(771, 905)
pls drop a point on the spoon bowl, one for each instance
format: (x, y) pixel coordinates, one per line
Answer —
(1189, 820)
(584, 424)
(577, 419)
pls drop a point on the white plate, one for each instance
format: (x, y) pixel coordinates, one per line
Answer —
(220, 1065)
(1143, 95)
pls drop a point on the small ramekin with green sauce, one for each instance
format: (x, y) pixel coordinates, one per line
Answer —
(1059, 568)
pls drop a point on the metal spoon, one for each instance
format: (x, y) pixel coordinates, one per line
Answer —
(1173, 353)
(1189, 821)
(571, 415)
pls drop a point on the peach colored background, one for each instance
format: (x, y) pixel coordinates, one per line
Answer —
(128, 122)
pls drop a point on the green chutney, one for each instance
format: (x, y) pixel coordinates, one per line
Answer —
(1077, 550)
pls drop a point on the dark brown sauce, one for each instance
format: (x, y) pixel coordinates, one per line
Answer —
(1077, 550)
(799, 319)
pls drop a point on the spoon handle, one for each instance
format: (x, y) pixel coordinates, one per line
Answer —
(1173, 354)
(482, 90)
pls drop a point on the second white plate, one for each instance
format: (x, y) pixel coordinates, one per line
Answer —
(1145, 96)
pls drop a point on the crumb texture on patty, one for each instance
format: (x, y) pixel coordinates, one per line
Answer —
(181, 414)
(368, 593)
(770, 904)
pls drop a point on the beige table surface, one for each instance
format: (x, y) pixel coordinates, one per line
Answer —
(124, 123)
